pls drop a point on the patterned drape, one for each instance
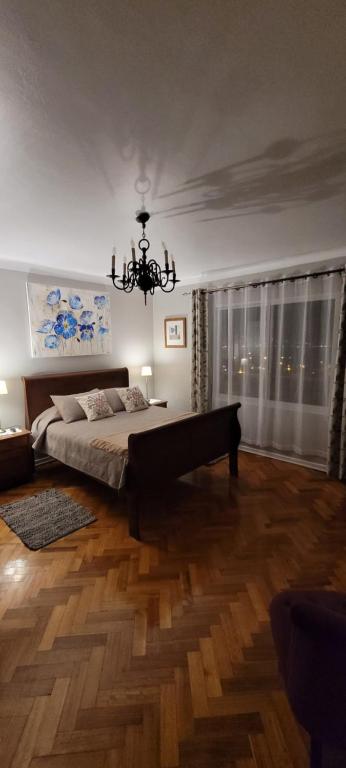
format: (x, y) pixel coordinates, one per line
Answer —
(199, 378)
(337, 423)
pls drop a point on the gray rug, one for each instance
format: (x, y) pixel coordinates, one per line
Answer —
(39, 520)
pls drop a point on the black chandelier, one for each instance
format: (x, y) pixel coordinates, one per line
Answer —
(144, 274)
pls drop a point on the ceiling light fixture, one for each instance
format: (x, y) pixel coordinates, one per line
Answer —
(145, 274)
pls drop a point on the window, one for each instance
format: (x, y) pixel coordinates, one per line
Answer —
(290, 348)
(300, 349)
(273, 350)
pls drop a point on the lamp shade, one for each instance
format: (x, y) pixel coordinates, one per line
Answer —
(146, 370)
(3, 388)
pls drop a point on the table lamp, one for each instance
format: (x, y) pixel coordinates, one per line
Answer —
(146, 371)
(3, 391)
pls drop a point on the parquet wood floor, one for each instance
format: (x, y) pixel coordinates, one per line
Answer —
(157, 655)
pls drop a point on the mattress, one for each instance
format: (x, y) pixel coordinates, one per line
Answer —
(72, 444)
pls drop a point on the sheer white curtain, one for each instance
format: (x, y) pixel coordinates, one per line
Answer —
(274, 351)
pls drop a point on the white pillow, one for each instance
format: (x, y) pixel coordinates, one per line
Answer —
(133, 399)
(95, 405)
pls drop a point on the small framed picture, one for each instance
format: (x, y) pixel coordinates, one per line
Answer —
(175, 331)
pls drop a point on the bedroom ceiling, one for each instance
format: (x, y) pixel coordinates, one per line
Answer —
(234, 110)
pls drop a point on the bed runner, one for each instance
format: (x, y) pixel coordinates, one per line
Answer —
(117, 442)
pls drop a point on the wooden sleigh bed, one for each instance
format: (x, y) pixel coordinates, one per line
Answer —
(156, 456)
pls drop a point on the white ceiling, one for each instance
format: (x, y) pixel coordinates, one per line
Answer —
(234, 110)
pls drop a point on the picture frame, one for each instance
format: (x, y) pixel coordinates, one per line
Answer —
(175, 332)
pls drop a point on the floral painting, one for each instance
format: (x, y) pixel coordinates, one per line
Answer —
(66, 321)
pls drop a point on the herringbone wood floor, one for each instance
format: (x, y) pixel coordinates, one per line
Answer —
(115, 653)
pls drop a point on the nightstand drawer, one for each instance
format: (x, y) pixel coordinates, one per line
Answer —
(16, 459)
(15, 472)
(12, 449)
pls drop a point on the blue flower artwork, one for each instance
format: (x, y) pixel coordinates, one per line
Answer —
(45, 326)
(86, 316)
(86, 332)
(51, 341)
(100, 301)
(66, 325)
(75, 302)
(65, 321)
(54, 297)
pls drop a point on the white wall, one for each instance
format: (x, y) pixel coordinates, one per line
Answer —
(172, 366)
(131, 338)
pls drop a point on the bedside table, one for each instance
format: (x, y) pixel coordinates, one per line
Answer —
(160, 403)
(16, 459)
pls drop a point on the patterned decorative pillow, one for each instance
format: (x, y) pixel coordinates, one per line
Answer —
(95, 406)
(133, 399)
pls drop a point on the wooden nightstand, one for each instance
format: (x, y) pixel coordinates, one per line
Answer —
(16, 459)
(160, 403)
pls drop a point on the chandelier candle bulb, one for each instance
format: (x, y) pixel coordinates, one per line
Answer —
(166, 255)
(133, 252)
(173, 264)
(113, 260)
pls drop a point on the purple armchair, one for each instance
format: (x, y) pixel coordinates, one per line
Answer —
(309, 631)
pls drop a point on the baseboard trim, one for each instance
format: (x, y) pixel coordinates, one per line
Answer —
(281, 457)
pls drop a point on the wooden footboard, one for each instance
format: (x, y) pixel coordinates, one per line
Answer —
(164, 453)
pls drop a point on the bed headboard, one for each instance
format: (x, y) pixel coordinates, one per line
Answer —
(37, 389)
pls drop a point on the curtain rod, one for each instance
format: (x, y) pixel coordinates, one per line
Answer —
(275, 281)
